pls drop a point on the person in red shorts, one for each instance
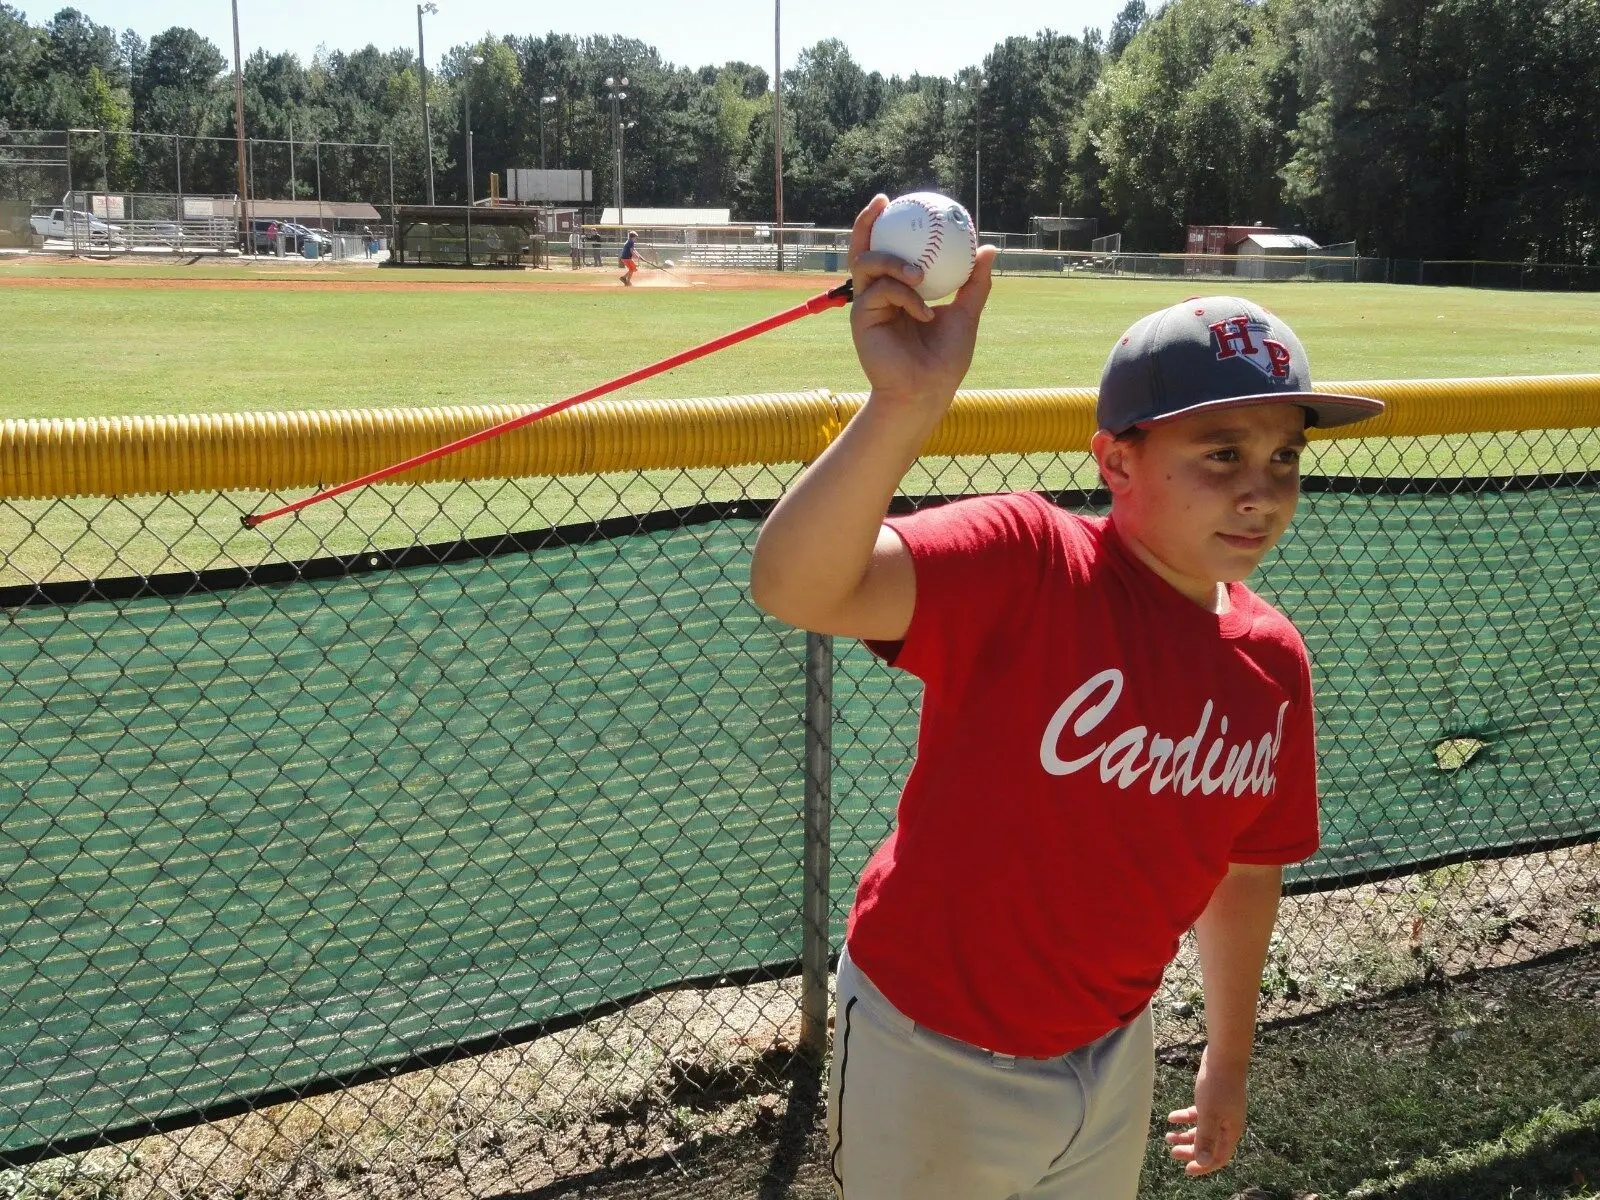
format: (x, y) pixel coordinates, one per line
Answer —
(1116, 745)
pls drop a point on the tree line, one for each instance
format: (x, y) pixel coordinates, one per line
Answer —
(1415, 128)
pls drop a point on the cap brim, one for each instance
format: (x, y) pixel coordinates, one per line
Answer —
(1331, 408)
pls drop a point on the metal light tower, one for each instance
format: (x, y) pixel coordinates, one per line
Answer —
(466, 101)
(777, 120)
(616, 94)
(977, 153)
(422, 64)
(622, 134)
(238, 129)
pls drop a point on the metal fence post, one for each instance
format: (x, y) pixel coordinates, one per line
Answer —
(815, 905)
(69, 203)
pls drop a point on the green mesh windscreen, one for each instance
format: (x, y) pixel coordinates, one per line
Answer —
(256, 837)
(260, 837)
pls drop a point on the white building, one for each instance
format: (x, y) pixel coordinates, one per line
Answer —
(1257, 248)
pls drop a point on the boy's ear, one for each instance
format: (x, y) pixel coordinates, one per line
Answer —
(1113, 459)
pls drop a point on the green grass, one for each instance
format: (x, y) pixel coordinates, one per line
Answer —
(1543, 1157)
(115, 351)
(1441, 1095)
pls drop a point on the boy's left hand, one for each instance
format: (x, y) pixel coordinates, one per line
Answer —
(1215, 1121)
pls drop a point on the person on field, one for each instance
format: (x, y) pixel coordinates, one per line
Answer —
(629, 259)
(1115, 746)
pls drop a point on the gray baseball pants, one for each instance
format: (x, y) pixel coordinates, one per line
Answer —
(914, 1115)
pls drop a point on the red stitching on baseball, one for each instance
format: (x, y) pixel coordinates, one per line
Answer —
(930, 252)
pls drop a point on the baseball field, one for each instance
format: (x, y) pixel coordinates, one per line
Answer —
(115, 339)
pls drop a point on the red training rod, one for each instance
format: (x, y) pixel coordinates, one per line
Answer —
(836, 297)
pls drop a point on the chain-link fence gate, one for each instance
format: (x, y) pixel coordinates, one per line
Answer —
(467, 826)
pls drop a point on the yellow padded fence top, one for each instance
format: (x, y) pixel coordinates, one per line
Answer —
(274, 452)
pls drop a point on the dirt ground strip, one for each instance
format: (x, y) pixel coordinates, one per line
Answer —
(777, 1150)
(282, 279)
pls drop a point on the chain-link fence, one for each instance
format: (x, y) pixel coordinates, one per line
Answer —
(177, 192)
(480, 830)
(131, 221)
(754, 247)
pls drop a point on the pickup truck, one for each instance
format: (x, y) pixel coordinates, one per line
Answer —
(90, 227)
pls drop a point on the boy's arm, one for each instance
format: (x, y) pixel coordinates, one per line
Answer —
(1233, 934)
(824, 560)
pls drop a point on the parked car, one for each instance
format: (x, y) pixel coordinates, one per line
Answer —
(295, 237)
(90, 228)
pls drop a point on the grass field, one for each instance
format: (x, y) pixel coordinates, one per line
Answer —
(238, 339)
(111, 351)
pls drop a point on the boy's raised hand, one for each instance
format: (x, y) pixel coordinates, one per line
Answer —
(912, 353)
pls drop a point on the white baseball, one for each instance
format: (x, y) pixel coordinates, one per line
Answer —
(935, 233)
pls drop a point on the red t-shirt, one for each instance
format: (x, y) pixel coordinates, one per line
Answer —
(1094, 750)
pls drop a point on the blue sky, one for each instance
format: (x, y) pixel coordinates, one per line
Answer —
(933, 36)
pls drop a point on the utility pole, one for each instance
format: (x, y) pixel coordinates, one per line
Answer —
(422, 65)
(238, 130)
(777, 118)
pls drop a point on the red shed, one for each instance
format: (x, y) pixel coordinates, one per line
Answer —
(1221, 239)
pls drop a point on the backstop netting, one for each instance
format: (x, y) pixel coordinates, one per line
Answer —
(488, 804)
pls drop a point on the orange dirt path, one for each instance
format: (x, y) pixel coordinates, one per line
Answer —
(597, 280)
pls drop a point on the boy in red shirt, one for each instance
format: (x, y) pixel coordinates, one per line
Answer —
(1116, 745)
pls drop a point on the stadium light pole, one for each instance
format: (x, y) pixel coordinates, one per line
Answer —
(777, 120)
(475, 60)
(622, 132)
(616, 95)
(238, 131)
(422, 64)
(977, 153)
(543, 100)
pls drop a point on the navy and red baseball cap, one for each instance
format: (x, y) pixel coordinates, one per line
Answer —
(1213, 352)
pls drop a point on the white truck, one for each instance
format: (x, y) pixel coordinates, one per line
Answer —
(90, 228)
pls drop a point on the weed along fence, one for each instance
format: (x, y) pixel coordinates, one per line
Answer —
(487, 803)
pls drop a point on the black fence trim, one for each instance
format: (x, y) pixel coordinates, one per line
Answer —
(1187, 1053)
(223, 579)
(438, 1057)
(1062, 498)
(1355, 878)
(1447, 485)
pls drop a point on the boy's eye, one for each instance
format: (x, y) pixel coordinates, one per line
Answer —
(1289, 456)
(1228, 455)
